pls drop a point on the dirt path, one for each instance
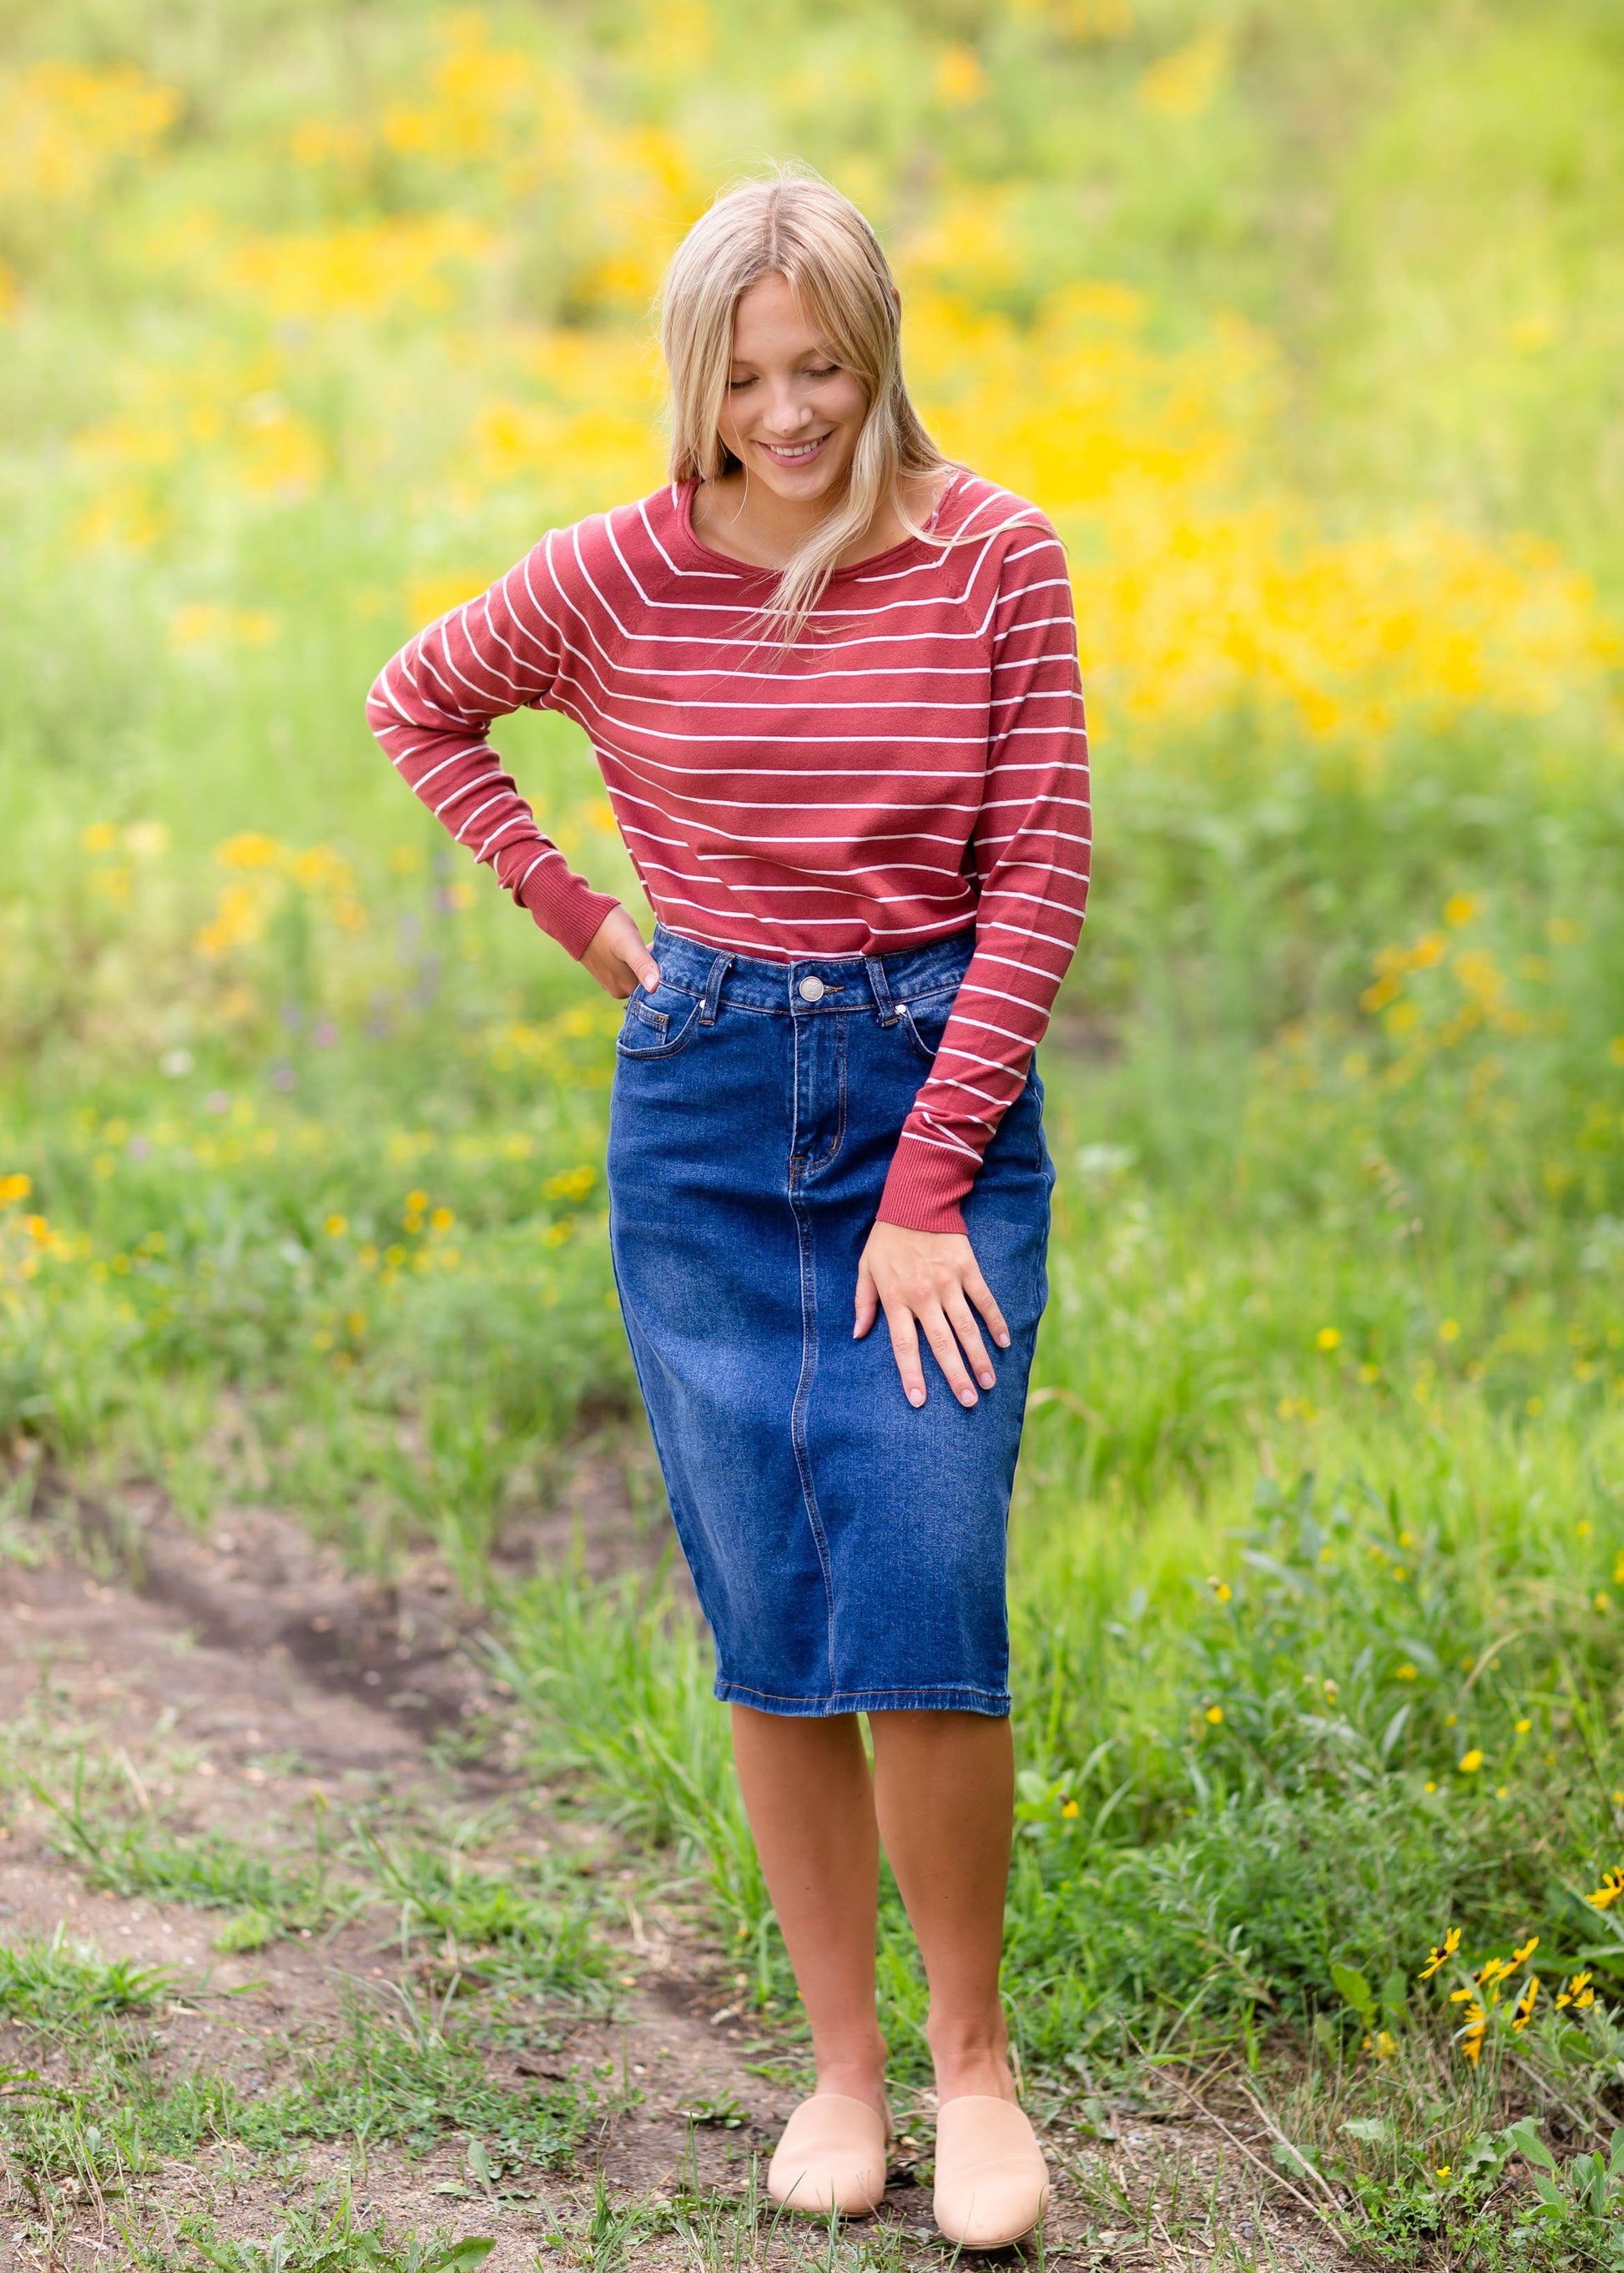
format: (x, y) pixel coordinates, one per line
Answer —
(249, 1689)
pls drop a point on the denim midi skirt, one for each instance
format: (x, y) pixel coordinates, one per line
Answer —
(848, 1550)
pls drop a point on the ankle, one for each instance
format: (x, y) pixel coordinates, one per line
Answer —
(973, 2062)
(857, 2072)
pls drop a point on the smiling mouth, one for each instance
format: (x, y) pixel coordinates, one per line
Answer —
(797, 453)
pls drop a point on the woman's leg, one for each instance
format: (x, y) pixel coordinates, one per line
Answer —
(945, 1795)
(810, 1800)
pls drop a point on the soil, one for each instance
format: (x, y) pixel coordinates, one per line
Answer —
(245, 1682)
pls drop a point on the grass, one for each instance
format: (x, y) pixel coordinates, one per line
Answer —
(60, 1985)
(1318, 1580)
(337, 2243)
(141, 1855)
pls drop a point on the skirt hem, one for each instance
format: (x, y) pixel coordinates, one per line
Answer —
(993, 1703)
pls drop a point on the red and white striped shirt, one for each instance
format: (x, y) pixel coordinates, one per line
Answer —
(915, 764)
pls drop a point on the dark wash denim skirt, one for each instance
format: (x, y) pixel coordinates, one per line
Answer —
(848, 1552)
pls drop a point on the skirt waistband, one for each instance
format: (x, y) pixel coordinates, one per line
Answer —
(815, 983)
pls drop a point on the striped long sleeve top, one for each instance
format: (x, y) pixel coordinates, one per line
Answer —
(914, 765)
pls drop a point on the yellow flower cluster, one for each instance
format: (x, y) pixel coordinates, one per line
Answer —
(63, 127)
(1482, 1995)
(263, 868)
(366, 268)
(1204, 587)
(1195, 594)
(222, 420)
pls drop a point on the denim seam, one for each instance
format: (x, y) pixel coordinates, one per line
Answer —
(808, 1360)
(834, 1695)
(631, 1344)
(667, 1048)
(827, 1158)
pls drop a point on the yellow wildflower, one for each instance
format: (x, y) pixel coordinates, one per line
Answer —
(1577, 1992)
(1524, 2012)
(1469, 1762)
(1611, 1887)
(1214, 1714)
(1440, 1954)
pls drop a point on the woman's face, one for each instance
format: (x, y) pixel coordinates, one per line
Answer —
(792, 414)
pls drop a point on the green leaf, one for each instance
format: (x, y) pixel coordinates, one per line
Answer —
(1355, 1991)
(248, 1930)
(463, 2255)
(1524, 2139)
(1371, 2127)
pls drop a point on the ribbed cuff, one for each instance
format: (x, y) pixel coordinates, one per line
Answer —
(924, 1191)
(570, 912)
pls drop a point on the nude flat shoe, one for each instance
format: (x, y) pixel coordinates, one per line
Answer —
(992, 2182)
(831, 2157)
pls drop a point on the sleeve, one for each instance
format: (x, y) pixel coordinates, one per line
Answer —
(432, 709)
(1032, 844)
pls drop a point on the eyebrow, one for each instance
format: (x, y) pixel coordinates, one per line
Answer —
(748, 363)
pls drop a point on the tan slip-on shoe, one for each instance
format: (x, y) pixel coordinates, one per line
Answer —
(992, 2182)
(831, 2157)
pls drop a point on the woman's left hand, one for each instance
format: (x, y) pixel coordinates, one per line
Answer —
(929, 1279)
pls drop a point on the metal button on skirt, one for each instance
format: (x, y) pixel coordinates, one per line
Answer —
(848, 1552)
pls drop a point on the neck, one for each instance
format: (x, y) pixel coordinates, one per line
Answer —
(748, 518)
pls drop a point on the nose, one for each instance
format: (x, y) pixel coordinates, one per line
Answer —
(787, 413)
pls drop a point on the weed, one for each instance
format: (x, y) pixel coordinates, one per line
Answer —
(62, 1985)
(493, 1929)
(314, 2243)
(208, 1871)
(411, 2072)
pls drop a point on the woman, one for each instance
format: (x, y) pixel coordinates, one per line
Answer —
(830, 680)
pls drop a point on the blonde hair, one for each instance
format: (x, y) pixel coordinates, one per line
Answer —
(794, 224)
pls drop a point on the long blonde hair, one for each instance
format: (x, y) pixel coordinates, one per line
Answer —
(792, 223)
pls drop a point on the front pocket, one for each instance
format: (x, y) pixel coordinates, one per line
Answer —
(925, 1020)
(650, 1033)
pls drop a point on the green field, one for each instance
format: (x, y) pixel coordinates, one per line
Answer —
(1306, 323)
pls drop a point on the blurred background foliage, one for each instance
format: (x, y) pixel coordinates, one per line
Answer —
(1305, 321)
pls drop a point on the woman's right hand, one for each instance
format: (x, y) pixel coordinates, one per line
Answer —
(617, 957)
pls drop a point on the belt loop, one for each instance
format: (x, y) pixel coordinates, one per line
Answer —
(713, 990)
(874, 965)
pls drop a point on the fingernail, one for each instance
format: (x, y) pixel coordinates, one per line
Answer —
(1003, 1340)
(916, 1397)
(988, 1379)
(966, 1397)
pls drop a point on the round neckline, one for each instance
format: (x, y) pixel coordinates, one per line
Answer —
(749, 568)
